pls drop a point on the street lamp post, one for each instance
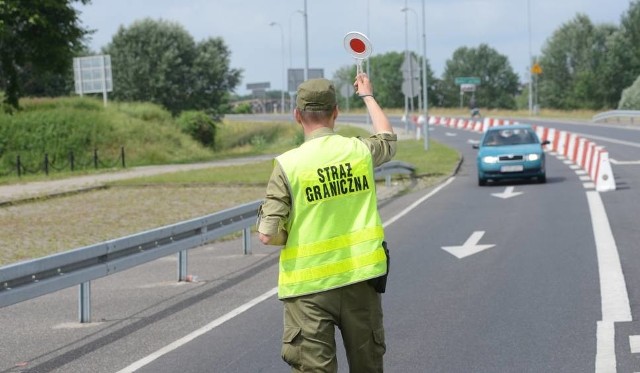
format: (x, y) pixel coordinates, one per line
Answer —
(407, 59)
(292, 93)
(530, 59)
(425, 124)
(306, 42)
(283, 58)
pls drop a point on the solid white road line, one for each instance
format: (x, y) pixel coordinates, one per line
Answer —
(608, 139)
(418, 202)
(195, 334)
(613, 289)
(219, 321)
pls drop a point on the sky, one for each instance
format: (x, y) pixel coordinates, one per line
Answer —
(516, 29)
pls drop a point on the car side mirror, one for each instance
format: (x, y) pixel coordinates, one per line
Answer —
(475, 146)
(545, 142)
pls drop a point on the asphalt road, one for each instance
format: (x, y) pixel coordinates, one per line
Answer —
(532, 287)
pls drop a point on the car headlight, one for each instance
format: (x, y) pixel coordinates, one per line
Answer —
(490, 159)
(533, 157)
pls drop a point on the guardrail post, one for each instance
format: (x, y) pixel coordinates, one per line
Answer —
(84, 302)
(387, 180)
(246, 240)
(182, 265)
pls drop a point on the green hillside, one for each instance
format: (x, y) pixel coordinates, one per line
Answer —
(147, 134)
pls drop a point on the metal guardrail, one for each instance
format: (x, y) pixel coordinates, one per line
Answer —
(390, 168)
(33, 278)
(617, 114)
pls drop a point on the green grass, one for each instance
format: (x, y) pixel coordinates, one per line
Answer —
(439, 160)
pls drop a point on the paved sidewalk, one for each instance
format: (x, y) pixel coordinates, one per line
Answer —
(25, 191)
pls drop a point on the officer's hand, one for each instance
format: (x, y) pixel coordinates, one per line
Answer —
(362, 85)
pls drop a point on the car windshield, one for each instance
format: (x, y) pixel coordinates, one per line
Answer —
(509, 136)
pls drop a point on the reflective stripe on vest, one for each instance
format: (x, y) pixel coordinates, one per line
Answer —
(330, 244)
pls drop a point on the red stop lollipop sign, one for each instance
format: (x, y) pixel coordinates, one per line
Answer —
(358, 45)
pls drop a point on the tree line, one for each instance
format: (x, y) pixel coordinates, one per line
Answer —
(584, 65)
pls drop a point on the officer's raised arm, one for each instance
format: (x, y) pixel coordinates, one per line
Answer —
(379, 119)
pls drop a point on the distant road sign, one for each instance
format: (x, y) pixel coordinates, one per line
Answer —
(467, 87)
(295, 77)
(92, 74)
(258, 86)
(536, 69)
(410, 65)
(411, 87)
(467, 80)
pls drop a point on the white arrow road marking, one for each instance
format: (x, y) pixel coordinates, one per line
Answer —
(508, 193)
(451, 134)
(473, 142)
(634, 343)
(622, 163)
(470, 247)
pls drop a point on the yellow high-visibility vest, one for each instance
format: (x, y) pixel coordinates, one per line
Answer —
(334, 230)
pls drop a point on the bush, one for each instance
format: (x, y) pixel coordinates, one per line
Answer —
(242, 108)
(199, 126)
(630, 99)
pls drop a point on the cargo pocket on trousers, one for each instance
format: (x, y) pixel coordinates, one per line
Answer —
(291, 351)
(378, 338)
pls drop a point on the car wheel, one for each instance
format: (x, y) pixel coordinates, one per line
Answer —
(482, 182)
(542, 179)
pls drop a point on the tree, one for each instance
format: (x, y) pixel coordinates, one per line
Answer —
(631, 97)
(151, 61)
(577, 66)
(623, 58)
(158, 61)
(498, 83)
(39, 35)
(214, 78)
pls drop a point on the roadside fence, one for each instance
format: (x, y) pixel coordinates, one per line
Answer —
(71, 163)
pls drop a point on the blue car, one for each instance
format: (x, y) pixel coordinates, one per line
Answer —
(510, 152)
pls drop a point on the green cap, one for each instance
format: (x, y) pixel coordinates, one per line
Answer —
(316, 95)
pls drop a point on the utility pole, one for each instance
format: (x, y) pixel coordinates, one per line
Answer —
(425, 125)
(306, 42)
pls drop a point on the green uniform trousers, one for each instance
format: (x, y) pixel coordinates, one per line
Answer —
(309, 330)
